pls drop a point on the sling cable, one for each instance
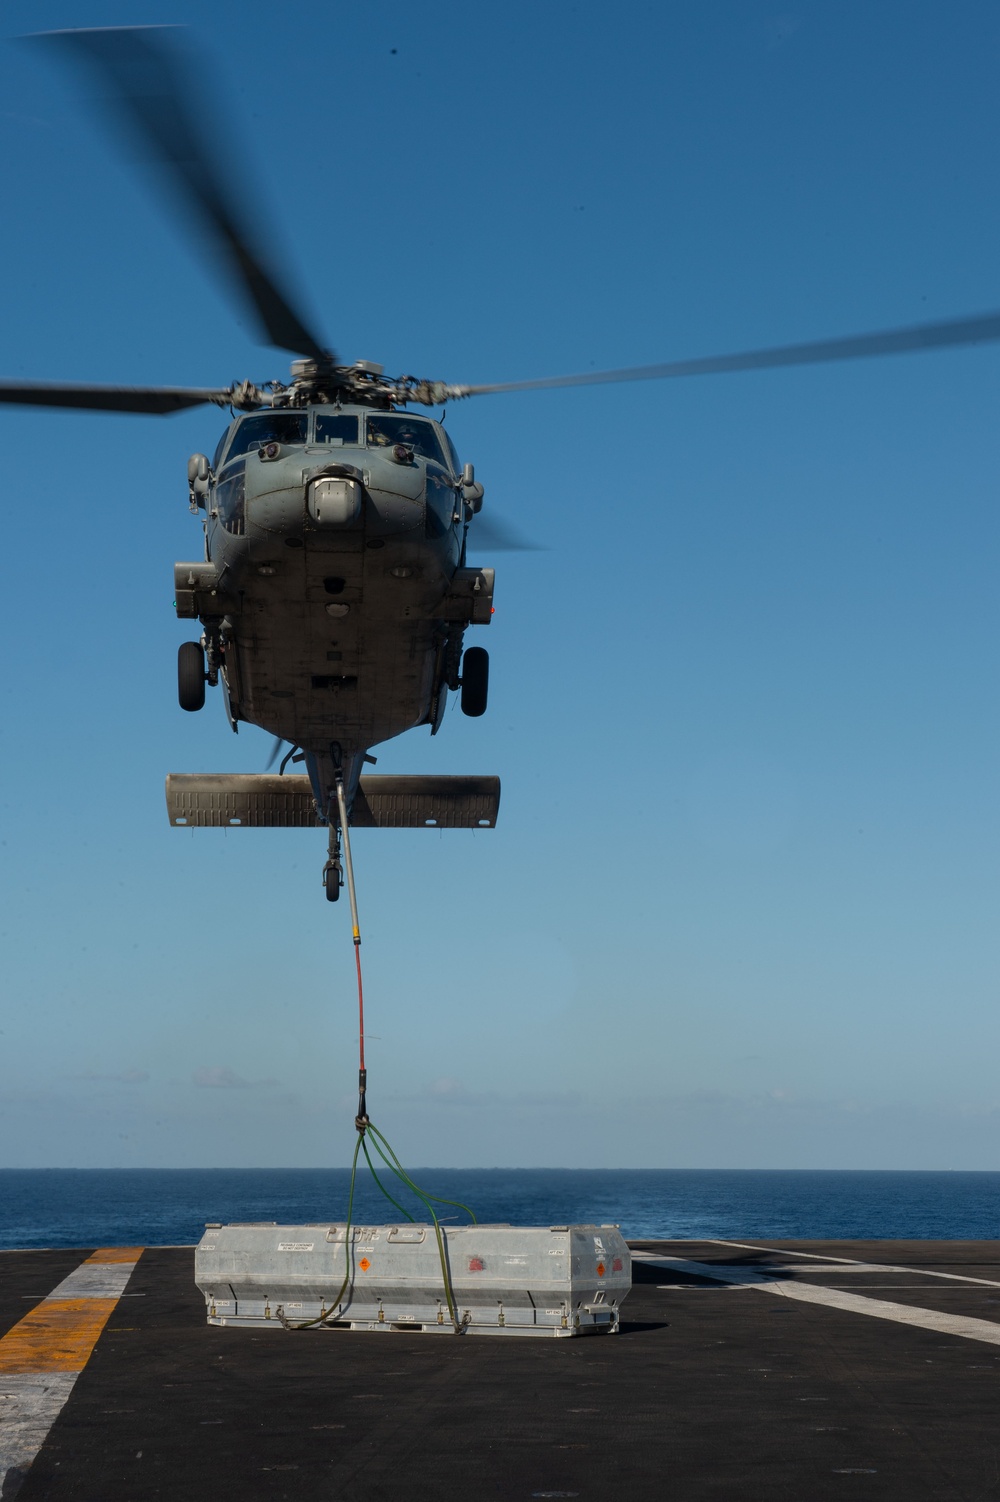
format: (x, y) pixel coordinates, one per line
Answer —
(366, 1130)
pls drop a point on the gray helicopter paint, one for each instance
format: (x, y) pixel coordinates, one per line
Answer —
(324, 641)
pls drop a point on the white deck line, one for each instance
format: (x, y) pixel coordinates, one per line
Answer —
(30, 1402)
(835, 1298)
(874, 1267)
(779, 1251)
(94, 1280)
(845, 1264)
(692, 1288)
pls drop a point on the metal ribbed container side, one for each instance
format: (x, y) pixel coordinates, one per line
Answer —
(515, 1280)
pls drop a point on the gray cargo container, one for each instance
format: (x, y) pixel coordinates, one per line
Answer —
(505, 1280)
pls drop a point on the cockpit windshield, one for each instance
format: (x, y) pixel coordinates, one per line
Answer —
(388, 428)
(336, 428)
(268, 427)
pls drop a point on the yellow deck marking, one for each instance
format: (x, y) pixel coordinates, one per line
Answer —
(57, 1336)
(45, 1352)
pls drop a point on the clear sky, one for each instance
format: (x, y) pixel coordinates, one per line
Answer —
(740, 909)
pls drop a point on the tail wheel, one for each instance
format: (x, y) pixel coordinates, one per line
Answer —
(191, 675)
(475, 681)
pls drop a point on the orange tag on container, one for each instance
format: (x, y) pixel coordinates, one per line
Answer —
(364, 1264)
(600, 1269)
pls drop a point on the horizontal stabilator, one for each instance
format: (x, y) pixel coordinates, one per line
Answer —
(236, 800)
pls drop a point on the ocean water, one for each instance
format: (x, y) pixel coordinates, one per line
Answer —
(169, 1207)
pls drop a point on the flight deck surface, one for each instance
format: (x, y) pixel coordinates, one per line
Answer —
(782, 1371)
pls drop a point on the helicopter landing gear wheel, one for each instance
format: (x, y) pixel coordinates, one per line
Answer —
(191, 675)
(333, 871)
(475, 681)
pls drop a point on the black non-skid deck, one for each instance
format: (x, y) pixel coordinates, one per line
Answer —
(712, 1390)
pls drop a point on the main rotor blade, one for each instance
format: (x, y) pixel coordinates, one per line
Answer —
(155, 399)
(488, 533)
(150, 92)
(984, 328)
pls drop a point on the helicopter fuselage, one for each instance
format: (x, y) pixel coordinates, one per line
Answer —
(333, 595)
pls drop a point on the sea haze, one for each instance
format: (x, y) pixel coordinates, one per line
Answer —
(157, 1207)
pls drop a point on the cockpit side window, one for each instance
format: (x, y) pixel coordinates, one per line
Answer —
(336, 429)
(439, 513)
(268, 427)
(218, 449)
(230, 499)
(388, 428)
(456, 467)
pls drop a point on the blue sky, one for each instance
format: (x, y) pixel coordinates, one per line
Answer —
(740, 908)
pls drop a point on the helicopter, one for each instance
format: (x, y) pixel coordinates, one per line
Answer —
(334, 592)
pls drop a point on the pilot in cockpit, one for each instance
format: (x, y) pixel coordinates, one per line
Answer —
(383, 432)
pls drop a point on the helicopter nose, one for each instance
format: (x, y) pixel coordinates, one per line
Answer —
(334, 501)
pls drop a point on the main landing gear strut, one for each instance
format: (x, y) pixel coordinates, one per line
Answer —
(333, 871)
